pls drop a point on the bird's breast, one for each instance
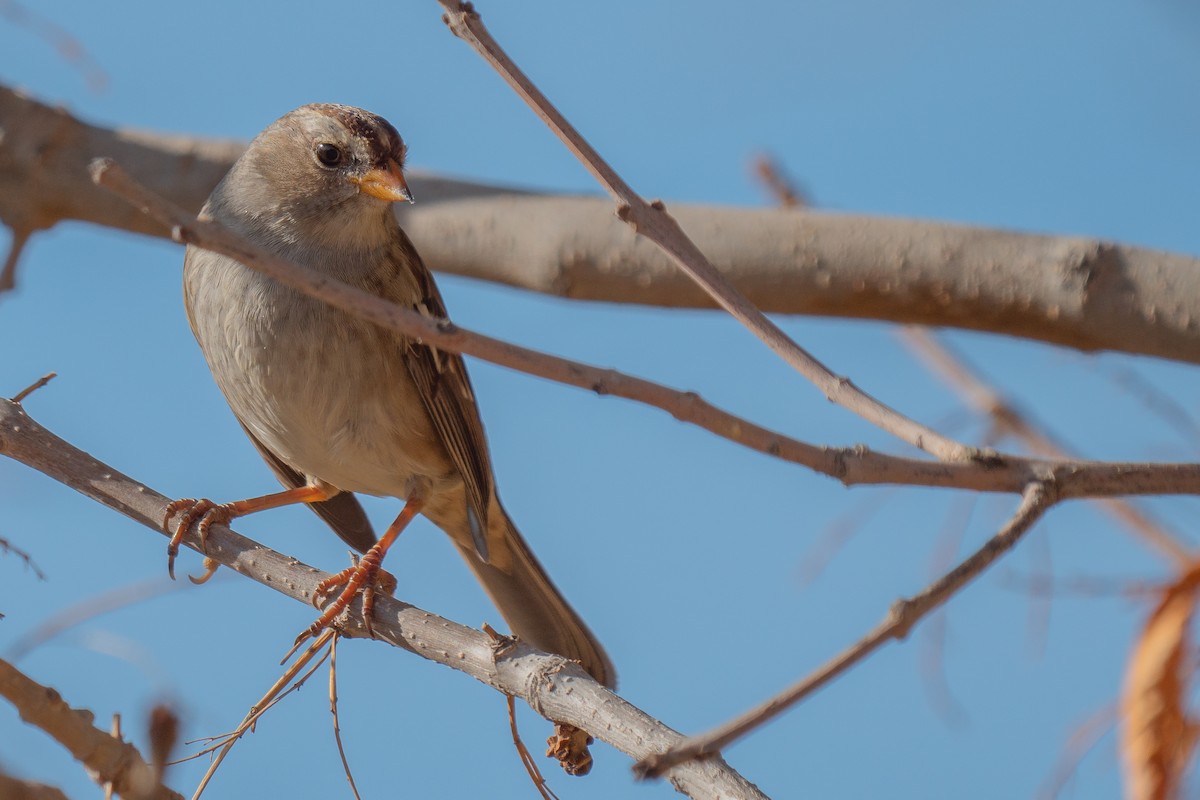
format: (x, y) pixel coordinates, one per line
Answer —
(326, 392)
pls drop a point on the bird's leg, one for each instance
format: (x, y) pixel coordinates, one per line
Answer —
(362, 575)
(206, 512)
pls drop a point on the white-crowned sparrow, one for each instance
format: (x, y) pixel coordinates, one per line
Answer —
(337, 405)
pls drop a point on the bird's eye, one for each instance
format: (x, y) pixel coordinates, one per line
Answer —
(329, 155)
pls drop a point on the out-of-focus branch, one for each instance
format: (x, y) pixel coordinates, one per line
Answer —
(16, 247)
(781, 187)
(1037, 499)
(44, 155)
(108, 758)
(554, 687)
(45, 152)
(1010, 421)
(68, 47)
(14, 789)
(1077, 292)
(990, 472)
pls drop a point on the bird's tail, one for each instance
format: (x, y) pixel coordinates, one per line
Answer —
(529, 601)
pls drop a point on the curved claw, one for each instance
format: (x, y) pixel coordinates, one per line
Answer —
(210, 568)
(201, 511)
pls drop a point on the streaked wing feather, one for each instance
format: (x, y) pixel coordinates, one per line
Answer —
(446, 391)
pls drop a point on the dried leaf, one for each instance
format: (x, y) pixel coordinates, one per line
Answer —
(1157, 735)
(570, 746)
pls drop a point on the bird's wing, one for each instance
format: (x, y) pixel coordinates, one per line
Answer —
(445, 389)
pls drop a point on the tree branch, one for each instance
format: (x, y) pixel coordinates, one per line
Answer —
(1008, 420)
(1072, 291)
(901, 617)
(108, 758)
(15, 789)
(991, 471)
(652, 221)
(554, 687)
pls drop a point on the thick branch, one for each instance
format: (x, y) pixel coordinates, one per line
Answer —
(44, 155)
(45, 152)
(1077, 292)
(107, 757)
(555, 688)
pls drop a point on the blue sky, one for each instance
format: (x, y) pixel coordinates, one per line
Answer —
(683, 551)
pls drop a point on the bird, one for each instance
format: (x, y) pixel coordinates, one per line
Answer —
(338, 406)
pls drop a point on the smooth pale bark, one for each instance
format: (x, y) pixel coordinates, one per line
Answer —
(1076, 292)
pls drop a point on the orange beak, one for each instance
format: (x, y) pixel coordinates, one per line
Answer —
(386, 184)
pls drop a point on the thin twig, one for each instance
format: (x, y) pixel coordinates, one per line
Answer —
(333, 709)
(1040, 606)
(992, 472)
(33, 387)
(531, 767)
(1082, 741)
(90, 608)
(268, 700)
(781, 187)
(1039, 585)
(1012, 421)
(652, 221)
(501, 642)
(68, 47)
(8, 547)
(932, 647)
(1158, 402)
(838, 533)
(903, 615)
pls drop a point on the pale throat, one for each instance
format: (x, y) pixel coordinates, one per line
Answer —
(357, 228)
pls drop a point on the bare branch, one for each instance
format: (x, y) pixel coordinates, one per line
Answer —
(223, 745)
(554, 687)
(333, 710)
(903, 615)
(994, 472)
(8, 548)
(109, 759)
(20, 396)
(652, 221)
